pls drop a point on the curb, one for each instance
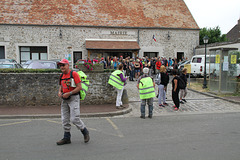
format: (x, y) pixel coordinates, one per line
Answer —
(215, 96)
(85, 115)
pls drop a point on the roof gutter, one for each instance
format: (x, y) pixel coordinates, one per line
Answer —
(90, 26)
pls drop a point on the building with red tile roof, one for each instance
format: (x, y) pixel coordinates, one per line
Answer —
(53, 29)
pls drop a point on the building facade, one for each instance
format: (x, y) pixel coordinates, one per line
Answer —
(96, 28)
(234, 34)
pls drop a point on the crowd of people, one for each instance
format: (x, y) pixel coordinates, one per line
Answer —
(133, 67)
(148, 72)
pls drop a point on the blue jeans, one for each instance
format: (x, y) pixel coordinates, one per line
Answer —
(150, 106)
(131, 75)
(161, 94)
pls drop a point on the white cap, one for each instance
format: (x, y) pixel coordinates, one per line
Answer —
(145, 70)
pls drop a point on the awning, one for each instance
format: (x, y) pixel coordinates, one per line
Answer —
(112, 45)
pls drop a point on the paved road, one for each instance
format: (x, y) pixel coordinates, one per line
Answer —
(204, 128)
(169, 137)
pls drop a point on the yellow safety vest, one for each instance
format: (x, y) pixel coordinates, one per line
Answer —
(115, 79)
(146, 88)
(84, 83)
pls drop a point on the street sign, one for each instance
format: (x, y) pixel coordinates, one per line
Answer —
(188, 66)
(233, 59)
(217, 58)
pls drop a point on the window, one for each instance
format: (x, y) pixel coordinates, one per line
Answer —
(33, 53)
(2, 52)
(150, 54)
(76, 56)
(197, 60)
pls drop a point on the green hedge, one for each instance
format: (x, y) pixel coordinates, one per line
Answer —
(21, 70)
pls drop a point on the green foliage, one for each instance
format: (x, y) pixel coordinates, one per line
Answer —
(214, 35)
(21, 70)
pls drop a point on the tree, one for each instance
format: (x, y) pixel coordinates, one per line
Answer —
(214, 35)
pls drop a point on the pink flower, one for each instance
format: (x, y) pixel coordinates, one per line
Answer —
(91, 69)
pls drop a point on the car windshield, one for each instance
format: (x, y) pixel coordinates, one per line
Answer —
(197, 60)
(6, 66)
(42, 65)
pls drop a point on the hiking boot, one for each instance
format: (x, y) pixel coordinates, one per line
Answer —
(86, 135)
(150, 116)
(122, 106)
(64, 141)
(143, 117)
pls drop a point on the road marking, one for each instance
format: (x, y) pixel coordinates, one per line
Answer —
(54, 121)
(93, 129)
(9, 124)
(115, 127)
(61, 123)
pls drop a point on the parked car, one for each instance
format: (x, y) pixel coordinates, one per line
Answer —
(170, 68)
(10, 65)
(181, 66)
(40, 64)
(8, 60)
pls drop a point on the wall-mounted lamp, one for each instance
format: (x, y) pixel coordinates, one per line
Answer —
(60, 34)
(168, 36)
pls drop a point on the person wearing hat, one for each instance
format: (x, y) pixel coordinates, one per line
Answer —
(104, 63)
(69, 90)
(146, 85)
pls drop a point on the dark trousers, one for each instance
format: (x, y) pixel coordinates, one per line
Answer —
(131, 75)
(175, 98)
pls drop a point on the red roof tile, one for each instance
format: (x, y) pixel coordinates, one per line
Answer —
(120, 13)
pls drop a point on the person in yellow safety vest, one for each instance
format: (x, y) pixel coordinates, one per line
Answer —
(146, 87)
(85, 84)
(117, 80)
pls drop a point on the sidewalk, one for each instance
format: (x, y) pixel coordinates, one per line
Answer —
(233, 99)
(55, 111)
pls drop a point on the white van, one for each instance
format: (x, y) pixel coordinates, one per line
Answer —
(197, 65)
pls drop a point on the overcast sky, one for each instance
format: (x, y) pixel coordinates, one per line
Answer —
(213, 13)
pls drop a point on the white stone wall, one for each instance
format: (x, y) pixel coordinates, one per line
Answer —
(73, 39)
(180, 41)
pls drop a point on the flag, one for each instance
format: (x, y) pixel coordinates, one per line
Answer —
(154, 38)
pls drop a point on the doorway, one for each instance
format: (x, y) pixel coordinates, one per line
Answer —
(2, 52)
(180, 56)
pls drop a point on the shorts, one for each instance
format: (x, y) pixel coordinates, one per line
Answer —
(137, 70)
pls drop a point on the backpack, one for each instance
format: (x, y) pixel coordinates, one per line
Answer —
(158, 79)
(71, 76)
(82, 92)
(181, 83)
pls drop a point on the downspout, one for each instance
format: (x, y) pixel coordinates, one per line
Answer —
(138, 39)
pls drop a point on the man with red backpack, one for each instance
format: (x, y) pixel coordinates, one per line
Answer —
(69, 90)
